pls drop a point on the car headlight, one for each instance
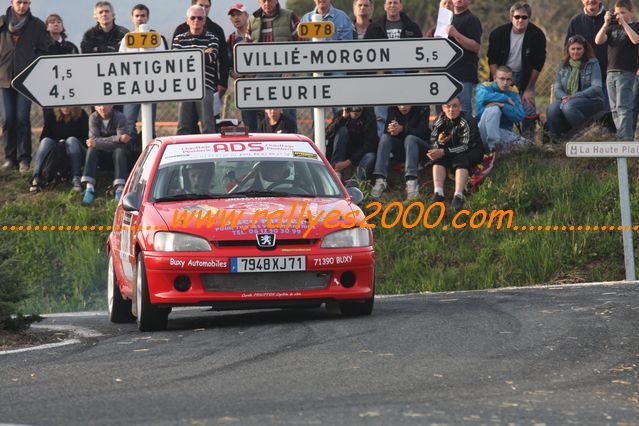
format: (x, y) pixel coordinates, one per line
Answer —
(175, 241)
(354, 237)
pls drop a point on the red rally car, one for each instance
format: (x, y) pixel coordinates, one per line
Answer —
(236, 221)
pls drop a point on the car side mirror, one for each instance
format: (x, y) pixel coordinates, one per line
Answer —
(131, 202)
(356, 195)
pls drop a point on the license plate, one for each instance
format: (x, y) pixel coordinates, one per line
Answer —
(268, 264)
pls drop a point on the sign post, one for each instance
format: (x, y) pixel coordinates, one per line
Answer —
(318, 113)
(619, 150)
(146, 108)
(113, 78)
(347, 90)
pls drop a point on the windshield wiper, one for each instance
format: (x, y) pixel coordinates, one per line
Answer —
(186, 197)
(256, 193)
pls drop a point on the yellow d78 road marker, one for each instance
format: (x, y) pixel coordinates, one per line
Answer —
(315, 29)
(142, 40)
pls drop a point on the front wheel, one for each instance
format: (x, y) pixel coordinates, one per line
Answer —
(149, 316)
(119, 308)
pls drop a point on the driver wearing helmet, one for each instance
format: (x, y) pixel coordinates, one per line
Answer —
(272, 172)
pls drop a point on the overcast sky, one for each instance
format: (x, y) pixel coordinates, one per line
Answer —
(165, 14)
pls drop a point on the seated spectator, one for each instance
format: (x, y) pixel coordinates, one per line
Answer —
(60, 45)
(405, 137)
(354, 141)
(108, 138)
(68, 126)
(276, 122)
(457, 146)
(498, 108)
(578, 89)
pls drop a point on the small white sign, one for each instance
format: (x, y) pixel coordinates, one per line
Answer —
(309, 92)
(113, 78)
(602, 149)
(345, 55)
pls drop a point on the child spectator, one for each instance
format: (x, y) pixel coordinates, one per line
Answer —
(457, 146)
(276, 122)
(60, 45)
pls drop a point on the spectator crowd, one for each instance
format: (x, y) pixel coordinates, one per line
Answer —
(597, 76)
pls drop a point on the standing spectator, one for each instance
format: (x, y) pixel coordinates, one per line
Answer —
(108, 137)
(394, 24)
(199, 38)
(140, 15)
(587, 24)
(405, 137)
(276, 122)
(466, 31)
(343, 26)
(273, 23)
(106, 35)
(498, 108)
(354, 142)
(457, 146)
(619, 33)
(520, 45)
(223, 59)
(60, 45)
(68, 126)
(239, 18)
(23, 38)
(363, 12)
(577, 87)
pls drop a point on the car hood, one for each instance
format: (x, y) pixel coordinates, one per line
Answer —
(240, 219)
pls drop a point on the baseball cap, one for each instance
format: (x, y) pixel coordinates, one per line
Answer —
(238, 7)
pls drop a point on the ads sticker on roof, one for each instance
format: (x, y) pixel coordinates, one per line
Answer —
(187, 152)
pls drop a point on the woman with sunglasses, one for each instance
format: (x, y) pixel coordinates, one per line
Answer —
(577, 89)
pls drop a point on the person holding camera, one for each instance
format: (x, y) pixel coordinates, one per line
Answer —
(353, 141)
(619, 33)
(457, 145)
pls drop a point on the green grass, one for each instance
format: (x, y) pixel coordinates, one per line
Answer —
(66, 270)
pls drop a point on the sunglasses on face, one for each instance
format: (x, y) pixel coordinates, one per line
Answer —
(196, 18)
(520, 17)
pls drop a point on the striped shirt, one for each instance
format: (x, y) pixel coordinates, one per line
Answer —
(203, 41)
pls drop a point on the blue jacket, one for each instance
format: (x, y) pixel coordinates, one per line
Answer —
(589, 85)
(489, 92)
(343, 25)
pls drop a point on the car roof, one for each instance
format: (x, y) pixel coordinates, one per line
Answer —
(217, 137)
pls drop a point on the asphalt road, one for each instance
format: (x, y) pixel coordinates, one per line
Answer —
(529, 356)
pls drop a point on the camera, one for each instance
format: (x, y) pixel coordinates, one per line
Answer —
(613, 18)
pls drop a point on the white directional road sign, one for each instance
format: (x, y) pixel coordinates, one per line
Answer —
(602, 149)
(113, 78)
(344, 56)
(301, 92)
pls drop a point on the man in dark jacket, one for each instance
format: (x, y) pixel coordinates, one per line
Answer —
(223, 65)
(395, 24)
(105, 37)
(520, 45)
(353, 141)
(23, 38)
(406, 137)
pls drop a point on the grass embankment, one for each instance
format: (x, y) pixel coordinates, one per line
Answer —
(65, 270)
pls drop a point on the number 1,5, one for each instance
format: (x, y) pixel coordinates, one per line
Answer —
(56, 72)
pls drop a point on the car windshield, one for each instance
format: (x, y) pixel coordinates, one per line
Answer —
(193, 172)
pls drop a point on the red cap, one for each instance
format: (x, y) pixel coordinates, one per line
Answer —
(238, 7)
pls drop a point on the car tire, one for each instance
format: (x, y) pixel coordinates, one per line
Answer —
(149, 316)
(118, 307)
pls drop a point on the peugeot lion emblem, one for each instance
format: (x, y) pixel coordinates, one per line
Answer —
(265, 240)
